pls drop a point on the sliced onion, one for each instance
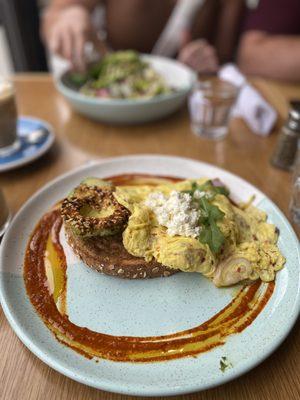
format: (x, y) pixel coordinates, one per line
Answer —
(217, 182)
(231, 271)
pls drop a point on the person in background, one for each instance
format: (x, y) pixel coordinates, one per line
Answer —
(207, 38)
(270, 40)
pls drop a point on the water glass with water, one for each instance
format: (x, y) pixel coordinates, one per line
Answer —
(210, 105)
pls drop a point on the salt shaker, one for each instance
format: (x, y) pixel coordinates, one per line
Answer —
(286, 148)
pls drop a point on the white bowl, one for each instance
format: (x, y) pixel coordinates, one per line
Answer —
(132, 111)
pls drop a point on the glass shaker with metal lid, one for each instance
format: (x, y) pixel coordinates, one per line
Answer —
(287, 145)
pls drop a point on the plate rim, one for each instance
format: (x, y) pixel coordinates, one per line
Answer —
(139, 389)
(41, 151)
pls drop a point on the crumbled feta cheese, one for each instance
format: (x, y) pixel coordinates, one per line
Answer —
(176, 212)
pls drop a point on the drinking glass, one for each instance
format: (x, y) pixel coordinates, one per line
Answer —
(210, 104)
(5, 215)
(8, 118)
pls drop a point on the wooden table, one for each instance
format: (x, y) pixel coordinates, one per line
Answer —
(78, 140)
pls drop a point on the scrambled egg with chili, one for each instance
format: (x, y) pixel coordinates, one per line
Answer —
(225, 242)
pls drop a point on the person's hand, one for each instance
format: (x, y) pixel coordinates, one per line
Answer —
(200, 56)
(70, 29)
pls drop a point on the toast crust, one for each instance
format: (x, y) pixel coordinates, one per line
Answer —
(109, 256)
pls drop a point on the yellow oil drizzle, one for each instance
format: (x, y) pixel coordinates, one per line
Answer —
(56, 275)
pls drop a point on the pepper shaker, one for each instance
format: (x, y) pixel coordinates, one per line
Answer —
(287, 144)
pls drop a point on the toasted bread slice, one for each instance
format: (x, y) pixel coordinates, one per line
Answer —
(108, 256)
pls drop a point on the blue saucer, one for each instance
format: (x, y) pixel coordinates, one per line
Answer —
(25, 152)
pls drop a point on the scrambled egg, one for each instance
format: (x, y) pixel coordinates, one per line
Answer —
(249, 251)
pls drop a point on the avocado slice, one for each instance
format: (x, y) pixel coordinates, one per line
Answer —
(91, 210)
(90, 182)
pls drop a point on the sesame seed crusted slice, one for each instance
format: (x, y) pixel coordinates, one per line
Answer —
(95, 199)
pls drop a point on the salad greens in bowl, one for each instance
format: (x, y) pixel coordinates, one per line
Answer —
(127, 87)
(121, 75)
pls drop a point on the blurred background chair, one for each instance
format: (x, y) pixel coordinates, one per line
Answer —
(20, 45)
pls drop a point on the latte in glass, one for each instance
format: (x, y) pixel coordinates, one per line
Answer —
(8, 114)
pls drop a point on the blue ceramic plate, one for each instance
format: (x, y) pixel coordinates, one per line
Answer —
(150, 307)
(27, 153)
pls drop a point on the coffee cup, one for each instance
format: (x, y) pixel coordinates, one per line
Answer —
(8, 114)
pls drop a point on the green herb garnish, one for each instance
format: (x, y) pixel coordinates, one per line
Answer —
(210, 232)
(208, 187)
(224, 364)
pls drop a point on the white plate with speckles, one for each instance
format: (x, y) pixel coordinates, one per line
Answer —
(150, 307)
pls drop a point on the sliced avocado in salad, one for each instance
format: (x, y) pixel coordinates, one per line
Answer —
(122, 74)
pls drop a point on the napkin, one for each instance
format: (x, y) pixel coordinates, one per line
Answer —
(258, 114)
